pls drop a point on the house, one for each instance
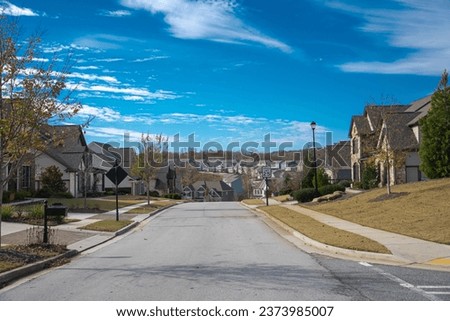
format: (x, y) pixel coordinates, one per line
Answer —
(103, 158)
(337, 161)
(235, 182)
(389, 130)
(164, 182)
(67, 150)
(364, 133)
(210, 191)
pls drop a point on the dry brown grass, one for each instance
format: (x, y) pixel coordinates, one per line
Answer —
(254, 201)
(106, 226)
(420, 210)
(282, 198)
(324, 233)
(154, 205)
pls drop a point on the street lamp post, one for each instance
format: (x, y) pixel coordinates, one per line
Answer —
(313, 127)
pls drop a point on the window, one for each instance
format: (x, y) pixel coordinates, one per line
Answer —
(26, 177)
(355, 147)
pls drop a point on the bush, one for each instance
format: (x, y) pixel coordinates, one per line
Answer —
(52, 180)
(285, 191)
(330, 189)
(62, 195)
(369, 178)
(6, 212)
(43, 193)
(173, 196)
(344, 183)
(21, 195)
(7, 196)
(36, 211)
(305, 195)
(46, 193)
(357, 185)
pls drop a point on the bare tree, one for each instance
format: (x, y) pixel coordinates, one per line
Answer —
(150, 160)
(32, 93)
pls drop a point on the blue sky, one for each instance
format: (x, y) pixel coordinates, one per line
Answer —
(234, 71)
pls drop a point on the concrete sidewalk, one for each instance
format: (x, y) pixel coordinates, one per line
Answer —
(77, 240)
(405, 250)
(72, 235)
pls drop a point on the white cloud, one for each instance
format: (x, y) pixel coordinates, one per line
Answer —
(233, 128)
(151, 58)
(127, 93)
(86, 67)
(103, 113)
(113, 133)
(115, 14)
(103, 41)
(91, 77)
(133, 98)
(109, 60)
(205, 19)
(10, 9)
(419, 25)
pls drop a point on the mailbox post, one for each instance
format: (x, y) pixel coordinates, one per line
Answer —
(54, 210)
(45, 222)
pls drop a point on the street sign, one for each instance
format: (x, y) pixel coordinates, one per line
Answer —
(266, 172)
(116, 174)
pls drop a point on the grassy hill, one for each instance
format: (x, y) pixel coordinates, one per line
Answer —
(420, 210)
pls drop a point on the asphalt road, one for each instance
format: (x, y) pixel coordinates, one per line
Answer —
(220, 251)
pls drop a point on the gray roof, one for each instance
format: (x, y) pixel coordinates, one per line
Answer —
(110, 153)
(362, 125)
(374, 114)
(68, 147)
(400, 135)
(421, 106)
(219, 186)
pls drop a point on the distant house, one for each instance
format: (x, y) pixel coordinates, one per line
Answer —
(210, 191)
(337, 161)
(235, 182)
(103, 158)
(164, 182)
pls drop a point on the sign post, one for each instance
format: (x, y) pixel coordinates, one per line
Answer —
(116, 175)
(267, 174)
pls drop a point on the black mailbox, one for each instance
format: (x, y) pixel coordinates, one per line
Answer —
(56, 210)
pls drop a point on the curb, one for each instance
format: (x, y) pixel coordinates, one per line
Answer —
(13, 275)
(20, 272)
(127, 228)
(330, 250)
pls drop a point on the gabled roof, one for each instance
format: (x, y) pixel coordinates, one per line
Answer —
(399, 135)
(218, 186)
(374, 114)
(70, 145)
(111, 154)
(370, 122)
(361, 124)
(421, 106)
